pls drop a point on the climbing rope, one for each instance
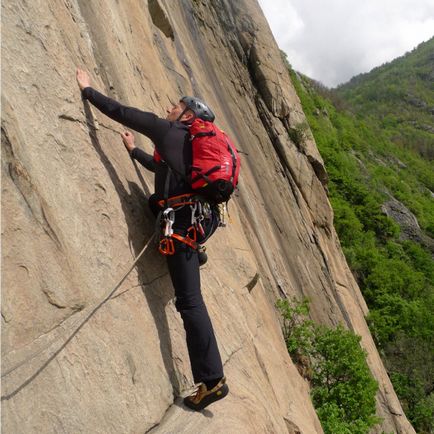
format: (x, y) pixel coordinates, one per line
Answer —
(93, 309)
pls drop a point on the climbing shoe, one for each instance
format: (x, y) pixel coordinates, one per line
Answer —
(203, 397)
(203, 257)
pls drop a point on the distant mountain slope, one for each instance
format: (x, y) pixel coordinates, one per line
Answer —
(401, 95)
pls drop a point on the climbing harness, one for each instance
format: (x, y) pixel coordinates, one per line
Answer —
(201, 213)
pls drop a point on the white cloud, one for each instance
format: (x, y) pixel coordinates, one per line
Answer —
(334, 40)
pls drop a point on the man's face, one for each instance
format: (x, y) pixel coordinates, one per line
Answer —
(176, 109)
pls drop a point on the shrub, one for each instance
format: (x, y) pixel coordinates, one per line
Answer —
(297, 329)
(424, 415)
(343, 389)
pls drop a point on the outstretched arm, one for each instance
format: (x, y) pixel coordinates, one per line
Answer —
(146, 123)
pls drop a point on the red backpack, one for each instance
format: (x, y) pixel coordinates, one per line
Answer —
(216, 163)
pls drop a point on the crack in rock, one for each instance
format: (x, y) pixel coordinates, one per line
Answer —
(50, 297)
(253, 282)
(29, 192)
(6, 320)
(176, 401)
(160, 18)
(90, 125)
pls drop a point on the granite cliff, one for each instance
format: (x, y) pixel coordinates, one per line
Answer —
(74, 216)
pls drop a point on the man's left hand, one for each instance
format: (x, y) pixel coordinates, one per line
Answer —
(128, 139)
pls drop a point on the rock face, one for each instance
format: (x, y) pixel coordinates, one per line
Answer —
(74, 216)
(407, 221)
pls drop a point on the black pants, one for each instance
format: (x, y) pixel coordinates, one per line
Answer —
(184, 271)
(202, 347)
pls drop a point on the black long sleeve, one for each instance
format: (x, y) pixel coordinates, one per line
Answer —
(144, 159)
(146, 123)
(171, 141)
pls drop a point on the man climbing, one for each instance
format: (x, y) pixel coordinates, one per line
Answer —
(171, 162)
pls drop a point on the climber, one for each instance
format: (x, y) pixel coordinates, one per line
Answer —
(170, 163)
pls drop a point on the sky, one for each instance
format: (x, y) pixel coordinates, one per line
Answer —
(333, 40)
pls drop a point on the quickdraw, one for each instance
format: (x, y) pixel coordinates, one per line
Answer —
(166, 246)
(200, 210)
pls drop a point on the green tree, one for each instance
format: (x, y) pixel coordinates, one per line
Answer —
(342, 381)
(343, 389)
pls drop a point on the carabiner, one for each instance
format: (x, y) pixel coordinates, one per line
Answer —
(168, 218)
(193, 208)
(166, 246)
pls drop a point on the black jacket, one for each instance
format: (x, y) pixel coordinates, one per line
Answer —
(171, 140)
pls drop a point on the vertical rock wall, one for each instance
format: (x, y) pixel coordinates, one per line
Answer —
(74, 216)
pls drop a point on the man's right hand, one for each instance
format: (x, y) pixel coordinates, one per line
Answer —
(128, 139)
(83, 79)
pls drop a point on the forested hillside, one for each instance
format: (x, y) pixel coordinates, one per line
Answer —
(400, 95)
(372, 134)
